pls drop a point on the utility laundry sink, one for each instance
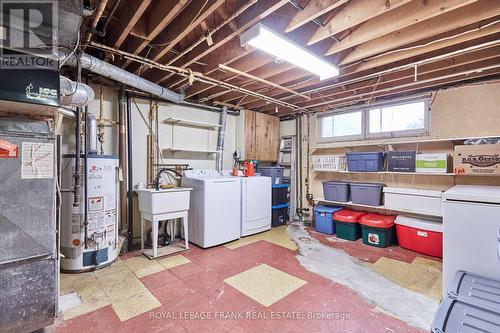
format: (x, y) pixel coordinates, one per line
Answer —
(164, 201)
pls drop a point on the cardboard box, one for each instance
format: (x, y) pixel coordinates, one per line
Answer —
(477, 159)
(432, 163)
(401, 161)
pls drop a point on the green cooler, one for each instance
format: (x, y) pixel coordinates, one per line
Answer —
(378, 230)
(347, 224)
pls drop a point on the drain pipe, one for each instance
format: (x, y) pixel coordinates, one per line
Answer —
(130, 190)
(105, 69)
(220, 139)
(122, 155)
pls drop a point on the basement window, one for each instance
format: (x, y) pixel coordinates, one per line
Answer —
(344, 126)
(396, 119)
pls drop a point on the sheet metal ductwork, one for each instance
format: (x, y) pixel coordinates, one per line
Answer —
(75, 94)
(105, 69)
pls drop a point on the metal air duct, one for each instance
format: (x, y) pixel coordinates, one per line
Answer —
(105, 69)
(75, 94)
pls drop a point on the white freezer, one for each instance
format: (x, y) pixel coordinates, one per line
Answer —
(471, 231)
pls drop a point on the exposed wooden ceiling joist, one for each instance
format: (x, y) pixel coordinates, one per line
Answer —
(313, 10)
(354, 13)
(400, 18)
(464, 16)
(128, 17)
(222, 37)
(181, 26)
(159, 18)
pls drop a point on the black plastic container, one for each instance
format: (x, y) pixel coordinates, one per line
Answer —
(279, 215)
(280, 194)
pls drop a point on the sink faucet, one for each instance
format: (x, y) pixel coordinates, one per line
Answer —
(157, 178)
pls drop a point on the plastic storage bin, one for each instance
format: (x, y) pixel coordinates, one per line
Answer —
(336, 191)
(464, 284)
(366, 193)
(471, 305)
(365, 161)
(420, 201)
(420, 235)
(279, 215)
(323, 219)
(280, 194)
(275, 172)
(455, 315)
(377, 230)
(347, 224)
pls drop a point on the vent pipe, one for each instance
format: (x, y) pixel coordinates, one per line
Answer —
(105, 69)
(91, 129)
(75, 94)
(220, 139)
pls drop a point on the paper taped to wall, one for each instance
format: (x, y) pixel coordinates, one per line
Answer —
(37, 160)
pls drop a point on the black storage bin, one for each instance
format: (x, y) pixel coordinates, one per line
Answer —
(279, 215)
(280, 194)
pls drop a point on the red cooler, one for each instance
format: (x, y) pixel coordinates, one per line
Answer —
(420, 235)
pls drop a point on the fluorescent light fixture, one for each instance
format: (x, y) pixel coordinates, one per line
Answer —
(265, 39)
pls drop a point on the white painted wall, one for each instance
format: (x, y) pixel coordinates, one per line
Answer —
(168, 135)
(287, 127)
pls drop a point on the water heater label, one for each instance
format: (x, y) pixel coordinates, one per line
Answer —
(37, 160)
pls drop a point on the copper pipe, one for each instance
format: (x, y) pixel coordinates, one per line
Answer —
(99, 11)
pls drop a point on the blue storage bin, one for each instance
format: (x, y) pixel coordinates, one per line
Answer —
(324, 220)
(365, 161)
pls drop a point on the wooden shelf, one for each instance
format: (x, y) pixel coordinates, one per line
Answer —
(391, 173)
(174, 150)
(350, 204)
(187, 122)
(389, 141)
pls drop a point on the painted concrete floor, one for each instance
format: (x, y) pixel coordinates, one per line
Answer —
(254, 284)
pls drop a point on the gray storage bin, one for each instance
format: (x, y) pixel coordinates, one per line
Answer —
(455, 316)
(475, 289)
(366, 193)
(336, 191)
(275, 172)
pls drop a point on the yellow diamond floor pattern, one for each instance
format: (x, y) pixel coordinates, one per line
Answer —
(105, 287)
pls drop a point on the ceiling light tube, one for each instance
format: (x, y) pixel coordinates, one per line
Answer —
(265, 39)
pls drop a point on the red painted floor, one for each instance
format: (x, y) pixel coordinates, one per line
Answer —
(365, 253)
(195, 298)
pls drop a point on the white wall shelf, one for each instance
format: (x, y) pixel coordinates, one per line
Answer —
(175, 150)
(187, 122)
(384, 208)
(389, 141)
(391, 173)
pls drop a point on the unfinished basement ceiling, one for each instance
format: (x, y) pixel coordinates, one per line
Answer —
(384, 48)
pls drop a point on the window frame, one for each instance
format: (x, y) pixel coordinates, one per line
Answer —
(365, 121)
(360, 136)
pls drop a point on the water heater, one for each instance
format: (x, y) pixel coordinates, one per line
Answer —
(92, 244)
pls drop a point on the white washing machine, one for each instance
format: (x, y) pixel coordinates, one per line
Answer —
(215, 207)
(471, 231)
(256, 202)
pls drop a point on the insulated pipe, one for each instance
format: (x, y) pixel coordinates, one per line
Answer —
(220, 139)
(105, 69)
(75, 93)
